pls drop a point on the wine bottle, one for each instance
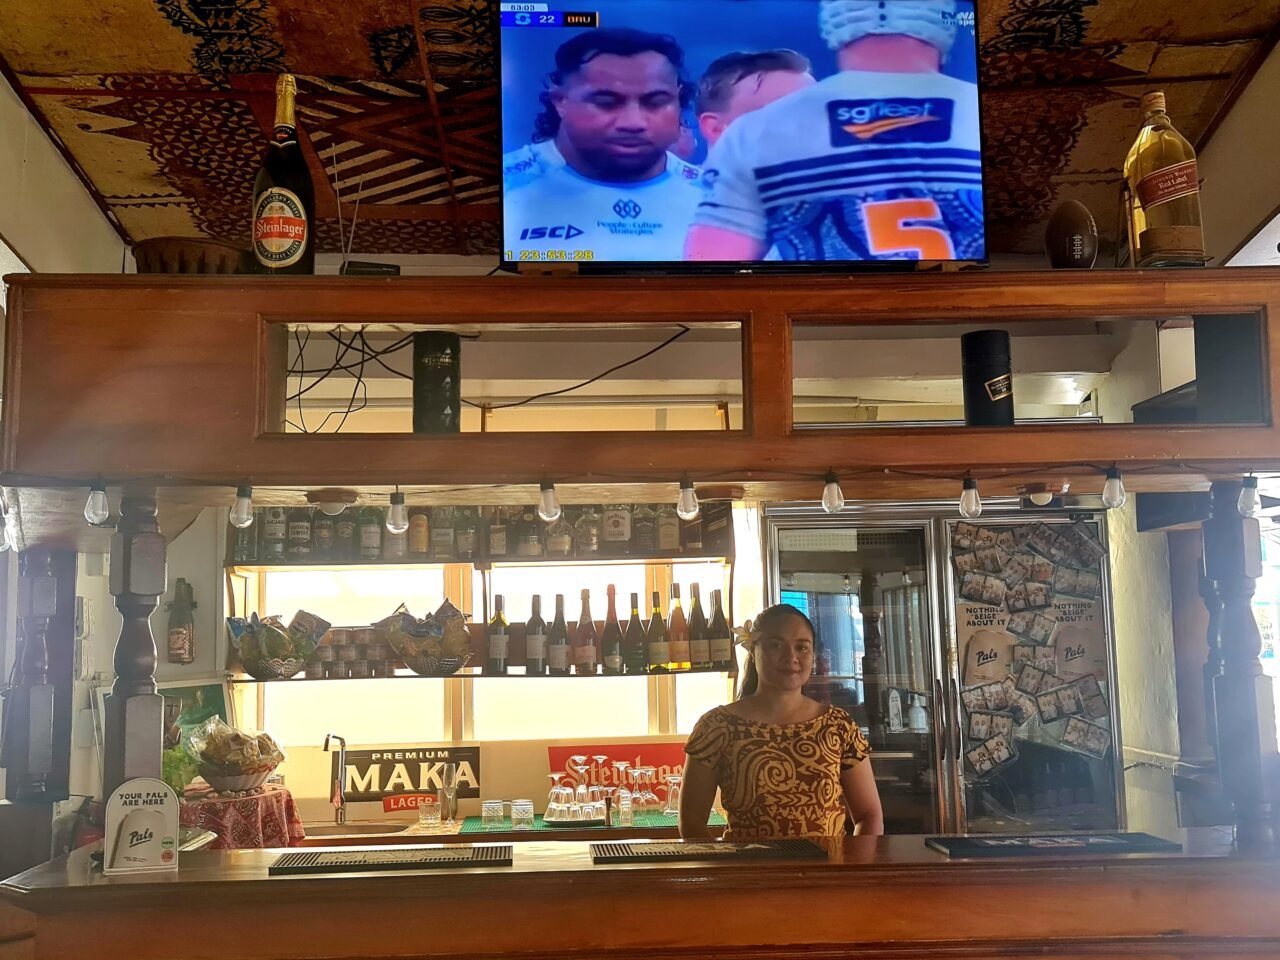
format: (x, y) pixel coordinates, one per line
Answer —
(345, 535)
(677, 633)
(499, 641)
(300, 533)
(419, 533)
(586, 643)
(657, 647)
(558, 642)
(370, 533)
(644, 530)
(1163, 193)
(611, 638)
(535, 642)
(322, 530)
(284, 206)
(720, 638)
(699, 645)
(182, 624)
(633, 641)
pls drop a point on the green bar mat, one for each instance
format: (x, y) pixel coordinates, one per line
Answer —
(644, 821)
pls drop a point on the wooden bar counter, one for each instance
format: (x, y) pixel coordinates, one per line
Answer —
(888, 897)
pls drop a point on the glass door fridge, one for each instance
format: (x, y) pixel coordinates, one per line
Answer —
(976, 656)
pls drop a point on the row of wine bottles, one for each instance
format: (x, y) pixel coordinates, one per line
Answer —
(674, 644)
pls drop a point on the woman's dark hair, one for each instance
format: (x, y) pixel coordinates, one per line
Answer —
(750, 681)
(578, 51)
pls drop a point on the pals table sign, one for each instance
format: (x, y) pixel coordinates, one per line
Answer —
(142, 828)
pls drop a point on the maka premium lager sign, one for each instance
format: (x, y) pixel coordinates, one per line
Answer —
(375, 774)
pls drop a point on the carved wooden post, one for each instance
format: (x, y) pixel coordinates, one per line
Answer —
(1243, 701)
(134, 711)
(27, 750)
(1213, 665)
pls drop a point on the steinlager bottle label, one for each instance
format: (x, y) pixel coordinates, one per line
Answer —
(279, 228)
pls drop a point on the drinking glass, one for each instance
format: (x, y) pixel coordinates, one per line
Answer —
(672, 809)
(429, 812)
(600, 760)
(491, 817)
(521, 814)
(449, 789)
(578, 764)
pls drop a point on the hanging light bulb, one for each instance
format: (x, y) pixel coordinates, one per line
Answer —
(398, 515)
(687, 503)
(548, 503)
(1114, 495)
(832, 495)
(847, 584)
(242, 509)
(970, 501)
(1249, 503)
(96, 508)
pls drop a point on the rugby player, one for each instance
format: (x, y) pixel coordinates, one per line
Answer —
(600, 176)
(880, 161)
(739, 83)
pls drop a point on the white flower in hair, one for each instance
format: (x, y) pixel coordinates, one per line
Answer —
(746, 635)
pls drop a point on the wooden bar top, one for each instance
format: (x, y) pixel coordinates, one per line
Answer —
(873, 893)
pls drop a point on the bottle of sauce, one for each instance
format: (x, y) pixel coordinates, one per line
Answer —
(182, 624)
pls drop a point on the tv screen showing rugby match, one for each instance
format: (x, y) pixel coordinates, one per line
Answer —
(741, 131)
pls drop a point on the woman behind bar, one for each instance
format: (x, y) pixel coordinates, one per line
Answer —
(786, 765)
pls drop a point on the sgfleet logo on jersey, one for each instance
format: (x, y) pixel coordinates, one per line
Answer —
(891, 120)
(565, 231)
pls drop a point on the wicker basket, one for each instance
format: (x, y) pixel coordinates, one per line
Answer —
(273, 669)
(188, 255)
(437, 666)
(225, 782)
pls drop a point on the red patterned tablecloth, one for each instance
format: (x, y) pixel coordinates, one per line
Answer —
(267, 819)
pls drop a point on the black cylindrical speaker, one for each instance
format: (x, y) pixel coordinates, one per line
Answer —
(437, 382)
(988, 378)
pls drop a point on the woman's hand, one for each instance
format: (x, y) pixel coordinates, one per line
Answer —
(696, 796)
(863, 798)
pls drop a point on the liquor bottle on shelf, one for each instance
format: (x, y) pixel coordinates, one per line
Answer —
(275, 534)
(611, 638)
(720, 638)
(284, 203)
(691, 535)
(699, 641)
(535, 642)
(668, 530)
(644, 530)
(346, 535)
(657, 646)
(465, 534)
(182, 624)
(322, 530)
(529, 534)
(558, 646)
(498, 534)
(586, 642)
(1163, 193)
(587, 533)
(395, 546)
(442, 534)
(246, 547)
(634, 658)
(300, 534)
(677, 633)
(499, 641)
(370, 533)
(419, 533)
(615, 530)
(559, 537)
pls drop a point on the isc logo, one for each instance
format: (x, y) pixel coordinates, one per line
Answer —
(566, 232)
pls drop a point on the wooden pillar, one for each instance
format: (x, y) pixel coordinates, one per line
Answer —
(1243, 703)
(26, 752)
(134, 711)
(1193, 647)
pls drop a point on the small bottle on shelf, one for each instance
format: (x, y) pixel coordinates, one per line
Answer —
(559, 537)
(657, 647)
(370, 533)
(497, 533)
(442, 534)
(322, 536)
(535, 642)
(611, 638)
(182, 624)
(1163, 193)
(587, 533)
(720, 638)
(299, 534)
(346, 536)
(246, 548)
(529, 534)
(499, 641)
(668, 530)
(699, 642)
(558, 646)
(677, 633)
(465, 538)
(395, 546)
(691, 535)
(615, 530)
(419, 533)
(586, 642)
(644, 530)
(634, 659)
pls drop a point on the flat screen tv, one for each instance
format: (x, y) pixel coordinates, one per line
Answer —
(740, 133)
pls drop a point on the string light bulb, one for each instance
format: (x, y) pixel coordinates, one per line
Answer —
(1114, 495)
(242, 510)
(687, 503)
(970, 501)
(1249, 503)
(96, 508)
(548, 503)
(832, 495)
(398, 515)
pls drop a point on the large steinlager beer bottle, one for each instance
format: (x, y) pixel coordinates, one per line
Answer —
(284, 214)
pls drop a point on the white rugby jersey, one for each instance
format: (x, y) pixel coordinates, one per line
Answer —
(550, 207)
(860, 166)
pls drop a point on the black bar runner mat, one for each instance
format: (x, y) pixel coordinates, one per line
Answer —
(671, 851)
(1056, 845)
(413, 858)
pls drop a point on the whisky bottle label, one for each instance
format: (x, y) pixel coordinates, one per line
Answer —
(279, 228)
(1169, 183)
(999, 387)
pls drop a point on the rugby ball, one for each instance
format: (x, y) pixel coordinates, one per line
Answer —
(1071, 237)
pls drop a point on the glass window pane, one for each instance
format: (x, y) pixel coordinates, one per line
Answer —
(353, 598)
(549, 708)
(364, 711)
(696, 693)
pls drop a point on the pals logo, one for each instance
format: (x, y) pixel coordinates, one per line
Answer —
(564, 232)
(856, 123)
